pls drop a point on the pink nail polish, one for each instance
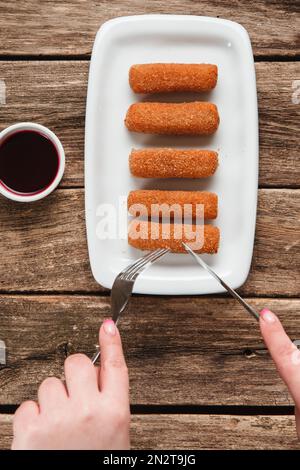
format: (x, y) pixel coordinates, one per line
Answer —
(109, 327)
(268, 316)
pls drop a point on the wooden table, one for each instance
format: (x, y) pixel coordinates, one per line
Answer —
(200, 374)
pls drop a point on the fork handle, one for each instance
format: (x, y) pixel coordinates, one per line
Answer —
(96, 356)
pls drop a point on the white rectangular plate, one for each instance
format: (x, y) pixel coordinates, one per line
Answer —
(184, 39)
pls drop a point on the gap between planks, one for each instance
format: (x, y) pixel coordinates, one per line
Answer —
(194, 409)
(87, 57)
(106, 293)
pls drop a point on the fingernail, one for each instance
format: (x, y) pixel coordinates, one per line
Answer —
(109, 327)
(268, 316)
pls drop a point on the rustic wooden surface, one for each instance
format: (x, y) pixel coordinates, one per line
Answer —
(215, 385)
(69, 27)
(184, 432)
(202, 350)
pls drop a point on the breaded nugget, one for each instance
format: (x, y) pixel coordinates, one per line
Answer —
(146, 235)
(184, 203)
(195, 118)
(172, 163)
(158, 78)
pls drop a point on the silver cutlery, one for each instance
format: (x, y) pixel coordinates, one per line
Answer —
(124, 282)
(231, 291)
(226, 286)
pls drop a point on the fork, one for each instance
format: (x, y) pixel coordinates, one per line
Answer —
(124, 282)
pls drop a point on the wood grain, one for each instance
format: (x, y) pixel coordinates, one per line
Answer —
(69, 27)
(54, 94)
(6, 431)
(43, 245)
(180, 351)
(278, 124)
(186, 432)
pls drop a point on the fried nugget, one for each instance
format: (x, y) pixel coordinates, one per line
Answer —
(156, 203)
(172, 163)
(158, 78)
(195, 118)
(146, 235)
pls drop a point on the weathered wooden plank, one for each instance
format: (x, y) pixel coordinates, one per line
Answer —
(43, 245)
(54, 93)
(69, 27)
(279, 115)
(6, 431)
(213, 432)
(275, 265)
(185, 432)
(180, 351)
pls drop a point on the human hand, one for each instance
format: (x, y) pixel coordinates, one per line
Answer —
(91, 411)
(285, 354)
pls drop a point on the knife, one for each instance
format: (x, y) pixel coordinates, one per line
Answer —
(229, 289)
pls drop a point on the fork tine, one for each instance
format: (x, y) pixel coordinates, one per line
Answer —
(155, 256)
(138, 262)
(129, 274)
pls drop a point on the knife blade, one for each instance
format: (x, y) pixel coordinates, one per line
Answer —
(231, 291)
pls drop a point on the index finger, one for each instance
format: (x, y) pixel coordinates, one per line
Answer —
(113, 370)
(283, 351)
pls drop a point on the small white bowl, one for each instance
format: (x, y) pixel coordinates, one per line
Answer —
(31, 126)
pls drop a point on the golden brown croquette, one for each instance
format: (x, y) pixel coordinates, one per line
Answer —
(158, 78)
(194, 118)
(182, 203)
(143, 235)
(172, 163)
